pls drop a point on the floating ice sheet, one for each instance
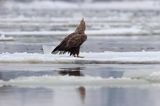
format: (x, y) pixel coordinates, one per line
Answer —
(71, 81)
(89, 58)
(52, 81)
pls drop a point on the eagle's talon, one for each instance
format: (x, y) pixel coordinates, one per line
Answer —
(80, 57)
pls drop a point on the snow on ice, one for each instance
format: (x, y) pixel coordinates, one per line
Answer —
(89, 58)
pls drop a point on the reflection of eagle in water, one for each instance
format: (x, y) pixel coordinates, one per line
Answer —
(73, 41)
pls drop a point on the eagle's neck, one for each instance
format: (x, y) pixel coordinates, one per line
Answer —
(80, 32)
(81, 27)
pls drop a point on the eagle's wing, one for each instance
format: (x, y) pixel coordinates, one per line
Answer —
(72, 40)
(76, 40)
(63, 45)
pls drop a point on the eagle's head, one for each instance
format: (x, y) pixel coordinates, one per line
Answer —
(81, 27)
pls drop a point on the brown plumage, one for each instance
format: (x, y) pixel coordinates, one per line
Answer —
(73, 41)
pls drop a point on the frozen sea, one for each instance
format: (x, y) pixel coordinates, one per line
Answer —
(121, 56)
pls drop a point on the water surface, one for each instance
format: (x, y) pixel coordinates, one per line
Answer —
(76, 95)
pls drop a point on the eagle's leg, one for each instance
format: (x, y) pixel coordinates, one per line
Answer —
(77, 53)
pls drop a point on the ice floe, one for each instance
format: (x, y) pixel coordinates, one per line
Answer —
(52, 81)
(133, 78)
(89, 58)
(42, 81)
